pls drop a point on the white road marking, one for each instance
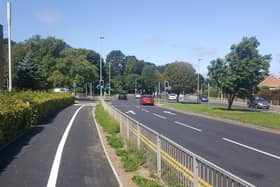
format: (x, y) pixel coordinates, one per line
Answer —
(160, 116)
(167, 112)
(131, 111)
(137, 106)
(145, 110)
(188, 126)
(252, 148)
(58, 155)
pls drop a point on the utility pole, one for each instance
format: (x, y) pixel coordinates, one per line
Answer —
(198, 90)
(9, 44)
(109, 78)
(100, 67)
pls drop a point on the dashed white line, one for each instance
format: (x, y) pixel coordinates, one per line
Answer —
(252, 148)
(160, 116)
(56, 163)
(188, 126)
(145, 110)
(137, 106)
(168, 112)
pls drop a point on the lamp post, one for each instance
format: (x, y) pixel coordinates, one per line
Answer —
(100, 67)
(109, 78)
(198, 79)
(9, 44)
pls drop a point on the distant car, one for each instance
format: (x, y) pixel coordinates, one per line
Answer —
(122, 96)
(147, 99)
(61, 90)
(203, 98)
(258, 102)
(172, 96)
(138, 96)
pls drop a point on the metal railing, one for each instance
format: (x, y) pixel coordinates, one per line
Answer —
(173, 164)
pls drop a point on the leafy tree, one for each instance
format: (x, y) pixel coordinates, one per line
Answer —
(130, 65)
(28, 73)
(181, 76)
(117, 60)
(148, 77)
(241, 71)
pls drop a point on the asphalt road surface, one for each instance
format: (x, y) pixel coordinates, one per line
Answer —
(64, 152)
(248, 153)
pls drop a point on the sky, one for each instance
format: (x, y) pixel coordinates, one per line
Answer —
(157, 31)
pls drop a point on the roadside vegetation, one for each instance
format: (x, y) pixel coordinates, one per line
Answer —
(22, 110)
(132, 158)
(265, 119)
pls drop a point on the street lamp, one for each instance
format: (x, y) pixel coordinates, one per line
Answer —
(198, 79)
(9, 44)
(100, 66)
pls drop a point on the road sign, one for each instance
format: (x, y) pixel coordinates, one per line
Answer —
(74, 85)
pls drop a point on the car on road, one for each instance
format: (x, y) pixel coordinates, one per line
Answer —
(258, 102)
(138, 96)
(61, 90)
(172, 97)
(122, 96)
(147, 99)
(203, 98)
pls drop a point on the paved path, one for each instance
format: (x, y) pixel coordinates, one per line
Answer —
(29, 160)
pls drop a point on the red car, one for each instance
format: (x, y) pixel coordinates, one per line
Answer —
(147, 100)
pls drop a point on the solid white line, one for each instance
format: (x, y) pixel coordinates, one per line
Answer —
(160, 116)
(168, 112)
(58, 155)
(252, 148)
(145, 110)
(183, 124)
(106, 153)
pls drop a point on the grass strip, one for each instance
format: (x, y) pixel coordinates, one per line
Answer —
(143, 182)
(265, 119)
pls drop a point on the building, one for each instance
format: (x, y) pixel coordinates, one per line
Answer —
(271, 82)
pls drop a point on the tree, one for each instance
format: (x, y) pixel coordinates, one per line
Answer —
(130, 65)
(28, 73)
(243, 69)
(117, 60)
(148, 77)
(181, 76)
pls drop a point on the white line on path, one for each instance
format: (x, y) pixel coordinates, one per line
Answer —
(168, 112)
(58, 155)
(252, 148)
(137, 106)
(145, 110)
(188, 126)
(160, 116)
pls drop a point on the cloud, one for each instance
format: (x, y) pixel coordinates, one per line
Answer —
(48, 17)
(203, 51)
(155, 42)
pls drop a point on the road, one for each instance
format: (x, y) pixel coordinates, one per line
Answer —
(42, 157)
(248, 153)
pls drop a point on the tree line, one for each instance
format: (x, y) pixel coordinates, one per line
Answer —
(45, 63)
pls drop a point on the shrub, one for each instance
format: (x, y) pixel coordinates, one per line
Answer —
(143, 182)
(115, 141)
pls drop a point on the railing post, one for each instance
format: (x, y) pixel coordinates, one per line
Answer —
(195, 172)
(138, 136)
(158, 156)
(121, 128)
(127, 129)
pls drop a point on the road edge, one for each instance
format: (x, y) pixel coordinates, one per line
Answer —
(105, 151)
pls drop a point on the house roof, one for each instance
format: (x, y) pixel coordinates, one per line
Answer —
(271, 81)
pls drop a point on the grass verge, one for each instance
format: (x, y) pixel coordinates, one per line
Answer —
(131, 157)
(265, 119)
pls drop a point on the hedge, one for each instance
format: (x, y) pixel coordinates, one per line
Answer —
(21, 110)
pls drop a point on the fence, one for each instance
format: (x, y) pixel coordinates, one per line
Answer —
(173, 164)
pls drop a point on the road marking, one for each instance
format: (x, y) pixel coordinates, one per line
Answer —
(131, 111)
(145, 110)
(252, 148)
(167, 112)
(160, 116)
(188, 126)
(137, 106)
(58, 155)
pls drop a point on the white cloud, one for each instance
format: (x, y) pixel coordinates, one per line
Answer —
(48, 17)
(203, 51)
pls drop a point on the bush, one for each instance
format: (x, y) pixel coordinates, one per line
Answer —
(143, 182)
(115, 141)
(21, 110)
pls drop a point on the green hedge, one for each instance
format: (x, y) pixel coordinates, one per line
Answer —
(21, 110)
